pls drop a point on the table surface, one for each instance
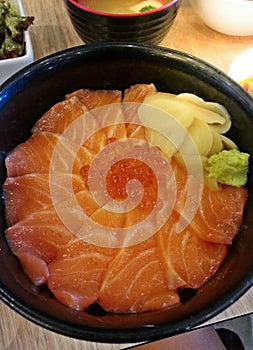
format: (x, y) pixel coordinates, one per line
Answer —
(52, 32)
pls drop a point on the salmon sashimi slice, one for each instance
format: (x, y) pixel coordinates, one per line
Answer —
(164, 240)
(60, 116)
(104, 125)
(42, 231)
(87, 203)
(71, 118)
(36, 240)
(135, 281)
(77, 274)
(188, 260)
(138, 92)
(111, 121)
(35, 155)
(30, 193)
(33, 265)
(135, 131)
(47, 227)
(105, 106)
(92, 99)
(108, 218)
(135, 94)
(39, 236)
(219, 216)
(219, 213)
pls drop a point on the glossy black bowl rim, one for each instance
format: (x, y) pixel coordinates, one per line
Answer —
(149, 332)
(119, 15)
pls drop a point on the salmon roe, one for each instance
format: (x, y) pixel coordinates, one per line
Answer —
(120, 173)
(125, 170)
(115, 176)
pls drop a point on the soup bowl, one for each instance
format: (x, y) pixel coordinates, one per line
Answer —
(32, 91)
(143, 27)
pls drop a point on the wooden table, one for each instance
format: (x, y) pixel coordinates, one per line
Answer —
(52, 31)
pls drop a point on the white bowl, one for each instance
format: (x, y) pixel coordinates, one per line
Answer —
(231, 17)
(242, 67)
(11, 65)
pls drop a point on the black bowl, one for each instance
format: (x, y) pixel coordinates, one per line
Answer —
(146, 27)
(33, 91)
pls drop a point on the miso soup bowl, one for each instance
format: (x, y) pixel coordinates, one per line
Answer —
(32, 91)
(143, 27)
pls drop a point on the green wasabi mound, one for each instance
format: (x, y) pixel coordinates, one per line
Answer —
(229, 167)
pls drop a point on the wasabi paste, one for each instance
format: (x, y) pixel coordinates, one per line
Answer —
(229, 167)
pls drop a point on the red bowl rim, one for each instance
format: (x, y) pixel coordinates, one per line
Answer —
(119, 15)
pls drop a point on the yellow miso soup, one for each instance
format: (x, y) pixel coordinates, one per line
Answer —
(122, 7)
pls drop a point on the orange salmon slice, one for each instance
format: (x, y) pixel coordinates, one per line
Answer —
(77, 274)
(189, 261)
(30, 193)
(93, 99)
(110, 101)
(35, 155)
(35, 241)
(136, 94)
(219, 214)
(137, 280)
(60, 116)
(42, 231)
